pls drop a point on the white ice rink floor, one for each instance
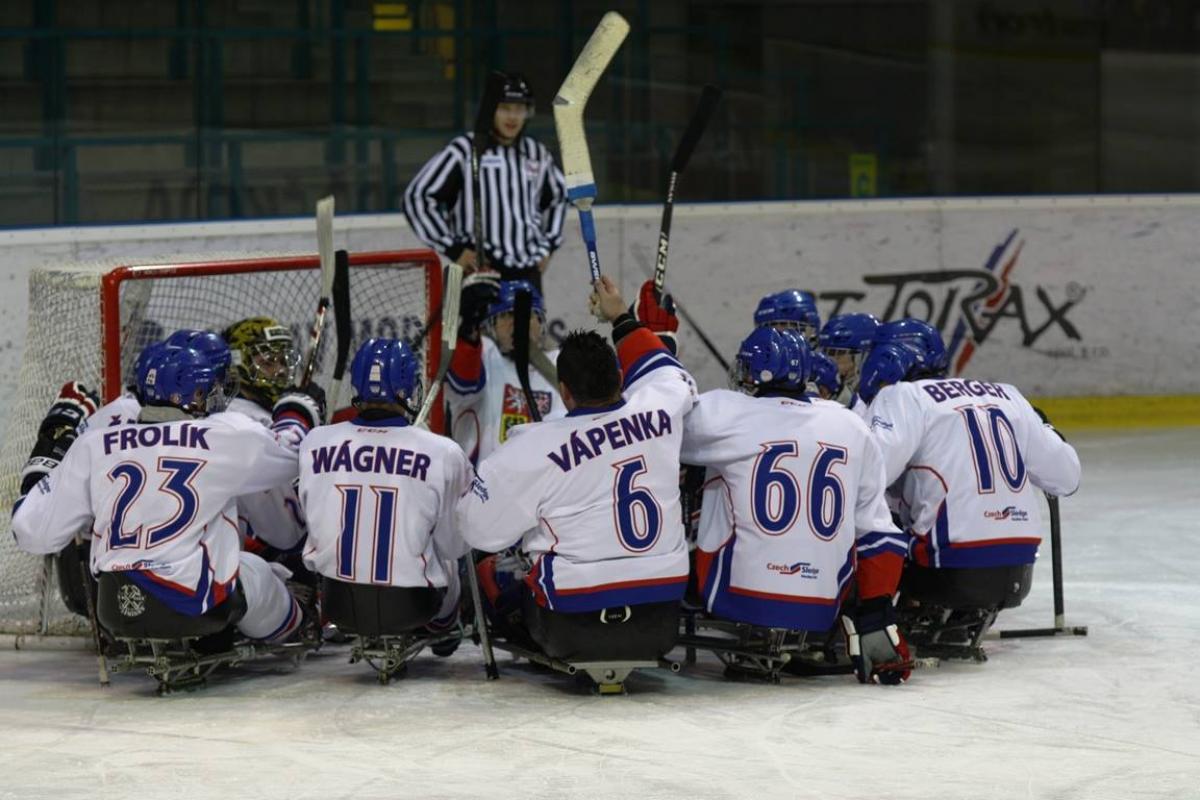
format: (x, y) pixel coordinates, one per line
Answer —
(1113, 715)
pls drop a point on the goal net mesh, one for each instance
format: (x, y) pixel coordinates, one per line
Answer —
(88, 322)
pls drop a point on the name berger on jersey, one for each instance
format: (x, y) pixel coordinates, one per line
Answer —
(617, 433)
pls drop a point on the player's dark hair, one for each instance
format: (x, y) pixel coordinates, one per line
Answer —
(588, 366)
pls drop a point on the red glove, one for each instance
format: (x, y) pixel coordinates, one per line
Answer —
(658, 314)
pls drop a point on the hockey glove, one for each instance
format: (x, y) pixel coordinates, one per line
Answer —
(657, 312)
(1046, 421)
(59, 428)
(304, 403)
(875, 645)
(479, 291)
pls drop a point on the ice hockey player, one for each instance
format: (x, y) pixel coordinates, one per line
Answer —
(778, 553)
(482, 387)
(847, 338)
(524, 195)
(159, 496)
(264, 362)
(791, 308)
(379, 496)
(968, 454)
(825, 377)
(594, 498)
(124, 409)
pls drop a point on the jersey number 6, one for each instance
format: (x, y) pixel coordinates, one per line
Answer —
(777, 500)
(637, 514)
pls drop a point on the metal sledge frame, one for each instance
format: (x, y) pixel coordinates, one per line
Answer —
(745, 650)
(390, 655)
(608, 677)
(176, 665)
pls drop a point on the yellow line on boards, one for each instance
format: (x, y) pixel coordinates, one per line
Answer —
(1133, 411)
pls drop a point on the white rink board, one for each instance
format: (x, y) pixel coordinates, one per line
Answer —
(1108, 717)
(1127, 268)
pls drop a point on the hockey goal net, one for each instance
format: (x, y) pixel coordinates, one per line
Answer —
(89, 321)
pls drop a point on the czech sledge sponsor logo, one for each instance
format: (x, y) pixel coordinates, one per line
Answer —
(479, 489)
(1011, 513)
(880, 422)
(801, 568)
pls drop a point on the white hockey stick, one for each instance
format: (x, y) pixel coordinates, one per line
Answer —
(325, 251)
(450, 303)
(569, 104)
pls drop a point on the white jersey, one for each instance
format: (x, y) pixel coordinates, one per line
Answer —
(122, 411)
(966, 453)
(794, 497)
(160, 500)
(486, 400)
(594, 496)
(379, 497)
(272, 517)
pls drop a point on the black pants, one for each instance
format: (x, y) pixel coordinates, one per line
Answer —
(978, 587)
(126, 610)
(379, 610)
(644, 632)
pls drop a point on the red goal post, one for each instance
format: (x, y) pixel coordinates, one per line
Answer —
(121, 305)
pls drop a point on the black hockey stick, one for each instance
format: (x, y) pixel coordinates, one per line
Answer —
(93, 616)
(681, 311)
(484, 120)
(342, 325)
(522, 311)
(481, 628)
(683, 153)
(1060, 626)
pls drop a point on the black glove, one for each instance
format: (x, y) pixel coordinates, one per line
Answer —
(875, 645)
(307, 402)
(59, 428)
(479, 291)
(1046, 421)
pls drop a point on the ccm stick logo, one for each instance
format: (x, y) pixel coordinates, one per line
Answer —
(801, 568)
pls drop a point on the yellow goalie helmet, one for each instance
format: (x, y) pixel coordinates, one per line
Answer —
(263, 357)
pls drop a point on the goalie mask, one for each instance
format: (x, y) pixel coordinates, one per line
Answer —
(264, 358)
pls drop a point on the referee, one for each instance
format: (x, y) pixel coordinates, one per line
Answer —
(524, 195)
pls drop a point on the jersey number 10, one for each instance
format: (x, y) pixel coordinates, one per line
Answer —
(994, 440)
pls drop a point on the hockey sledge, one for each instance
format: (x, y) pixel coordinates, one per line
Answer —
(178, 651)
(388, 624)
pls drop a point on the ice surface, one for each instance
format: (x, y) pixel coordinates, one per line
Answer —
(1113, 715)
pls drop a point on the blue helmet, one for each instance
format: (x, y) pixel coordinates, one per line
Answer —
(885, 364)
(800, 355)
(768, 357)
(207, 342)
(791, 308)
(180, 377)
(506, 298)
(923, 340)
(850, 332)
(144, 359)
(824, 373)
(387, 371)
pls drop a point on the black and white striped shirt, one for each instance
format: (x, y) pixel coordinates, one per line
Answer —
(524, 202)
